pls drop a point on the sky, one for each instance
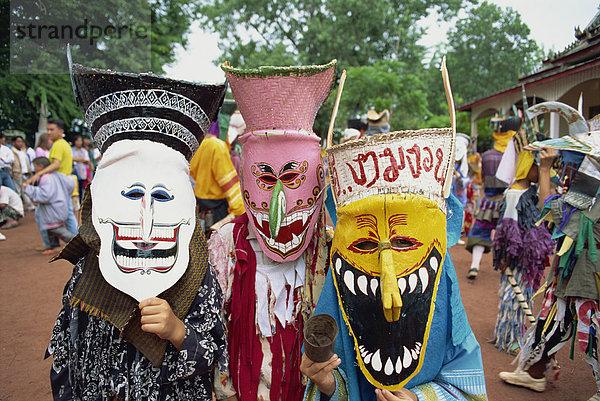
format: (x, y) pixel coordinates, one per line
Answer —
(552, 24)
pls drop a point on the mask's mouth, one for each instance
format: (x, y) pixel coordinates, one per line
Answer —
(292, 233)
(389, 353)
(131, 253)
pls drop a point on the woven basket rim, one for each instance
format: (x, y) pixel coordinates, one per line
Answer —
(267, 71)
(80, 69)
(387, 137)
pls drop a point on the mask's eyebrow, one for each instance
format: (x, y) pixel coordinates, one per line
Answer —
(136, 184)
(161, 186)
(368, 221)
(397, 220)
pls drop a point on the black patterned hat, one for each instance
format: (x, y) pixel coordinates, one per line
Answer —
(120, 106)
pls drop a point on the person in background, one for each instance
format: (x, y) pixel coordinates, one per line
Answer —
(42, 148)
(82, 166)
(61, 160)
(378, 123)
(21, 170)
(6, 159)
(11, 208)
(217, 187)
(93, 152)
(52, 193)
(235, 130)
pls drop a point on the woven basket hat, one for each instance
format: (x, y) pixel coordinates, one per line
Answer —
(280, 98)
(418, 162)
(401, 162)
(120, 106)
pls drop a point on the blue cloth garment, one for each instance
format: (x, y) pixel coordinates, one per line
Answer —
(452, 368)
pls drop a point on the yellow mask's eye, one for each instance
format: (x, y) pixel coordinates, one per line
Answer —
(409, 225)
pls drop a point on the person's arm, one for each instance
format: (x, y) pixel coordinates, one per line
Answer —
(42, 193)
(547, 156)
(321, 375)
(6, 157)
(228, 180)
(54, 166)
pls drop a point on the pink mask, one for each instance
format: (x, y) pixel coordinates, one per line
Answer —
(282, 173)
(282, 183)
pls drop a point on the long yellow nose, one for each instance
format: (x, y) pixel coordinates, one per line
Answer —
(390, 294)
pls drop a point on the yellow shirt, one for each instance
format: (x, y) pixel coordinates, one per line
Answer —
(61, 151)
(215, 175)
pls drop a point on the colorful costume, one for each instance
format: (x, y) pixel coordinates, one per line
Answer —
(521, 252)
(570, 307)
(479, 240)
(139, 238)
(392, 287)
(271, 261)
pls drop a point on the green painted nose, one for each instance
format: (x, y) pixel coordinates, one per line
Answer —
(277, 209)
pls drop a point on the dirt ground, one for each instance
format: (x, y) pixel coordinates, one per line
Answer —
(30, 292)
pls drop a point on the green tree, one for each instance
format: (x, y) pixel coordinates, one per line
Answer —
(20, 94)
(489, 50)
(315, 31)
(376, 41)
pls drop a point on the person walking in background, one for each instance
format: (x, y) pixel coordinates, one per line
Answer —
(6, 159)
(217, 187)
(82, 166)
(52, 193)
(61, 160)
(24, 168)
(42, 149)
(11, 208)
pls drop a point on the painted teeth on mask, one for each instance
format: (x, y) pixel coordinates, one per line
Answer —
(130, 262)
(389, 367)
(349, 280)
(407, 358)
(412, 282)
(399, 365)
(424, 276)
(376, 361)
(374, 285)
(434, 263)
(402, 285)
(338, 265)
(362, 284)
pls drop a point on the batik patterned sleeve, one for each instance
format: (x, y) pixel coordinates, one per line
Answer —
(205, 343)
(461, 376)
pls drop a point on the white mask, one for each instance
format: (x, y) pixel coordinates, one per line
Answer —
(144, 213)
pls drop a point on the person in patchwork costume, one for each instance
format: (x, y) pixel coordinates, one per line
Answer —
(522, 248)
(392, 288)
(271, 260)
(141, 312)
(479, 240)
(570, 306)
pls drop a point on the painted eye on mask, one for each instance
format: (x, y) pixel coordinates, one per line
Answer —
(162, 196)
(398, 243)
(133, 194)
(291, 174)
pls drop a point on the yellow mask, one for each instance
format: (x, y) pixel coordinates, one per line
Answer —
(386, 257)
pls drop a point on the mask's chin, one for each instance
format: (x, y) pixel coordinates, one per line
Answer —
(293, 232)
(131, 253)
(389, 353)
